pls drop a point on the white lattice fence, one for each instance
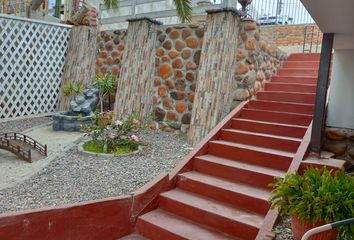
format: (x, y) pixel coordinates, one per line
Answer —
(32, 56)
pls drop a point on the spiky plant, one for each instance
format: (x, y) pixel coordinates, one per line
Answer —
(183, 8)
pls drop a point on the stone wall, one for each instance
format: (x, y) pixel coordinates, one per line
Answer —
(177, 57)
(177, 61)
(111, 45)
(257, 61)
(340, 142)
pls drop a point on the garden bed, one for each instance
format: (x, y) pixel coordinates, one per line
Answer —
(74, 177)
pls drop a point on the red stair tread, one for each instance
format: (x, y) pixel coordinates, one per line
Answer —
(277, 106)
(263, 134)
(133, 236)
(290, 87)
(278, 129)
(242, 165)
(213, 207)
(181, 227)
(254, 139)
(255, 148)
(245, 189)
(273, 116)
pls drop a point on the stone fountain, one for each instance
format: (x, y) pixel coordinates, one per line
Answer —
(81, 112)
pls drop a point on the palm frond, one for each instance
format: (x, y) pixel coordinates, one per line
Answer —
(184, 9)
(111, 3)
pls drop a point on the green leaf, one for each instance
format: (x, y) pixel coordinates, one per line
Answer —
(184, 10)
(111, 3)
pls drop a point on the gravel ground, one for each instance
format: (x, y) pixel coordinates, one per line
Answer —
(283, 229)
(22, 124)
(73, 177)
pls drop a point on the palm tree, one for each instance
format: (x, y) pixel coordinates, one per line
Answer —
(183, 8)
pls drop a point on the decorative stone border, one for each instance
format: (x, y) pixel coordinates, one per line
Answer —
(80, 148)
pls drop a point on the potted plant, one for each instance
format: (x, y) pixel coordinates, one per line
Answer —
(317, 197)
(106, 85)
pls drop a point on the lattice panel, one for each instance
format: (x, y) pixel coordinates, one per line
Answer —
(32, 56)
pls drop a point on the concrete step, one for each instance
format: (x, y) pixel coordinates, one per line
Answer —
(304, 98)
(241, 195)
(297, 72)
(276, 106)
(293, 79)
(290, 87)
(305, 57)
(214, 214)
(276, 117)
(278, 129)
(161, 225)
(133, 236)
(261, 140)
(259, 156)
(236, 171)
(301, 64)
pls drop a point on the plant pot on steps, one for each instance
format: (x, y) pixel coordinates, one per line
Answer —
(299, 228)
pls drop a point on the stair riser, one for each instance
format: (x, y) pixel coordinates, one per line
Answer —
(233, 174)
(304, 57)
(281, 107)
(287, 131)
(297, 72)
(301, 64)
(250, 156)
(287, 97)
(300, 80)
(261, 141)
(277, 117)
(290, 88)
(237, 199)
(153, 232)
(200, 216)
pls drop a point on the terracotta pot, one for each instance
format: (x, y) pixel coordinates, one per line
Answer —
(299, 228)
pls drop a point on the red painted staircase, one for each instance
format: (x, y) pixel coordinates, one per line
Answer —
(224, 194)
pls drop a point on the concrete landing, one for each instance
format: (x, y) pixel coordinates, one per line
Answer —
(14, 170)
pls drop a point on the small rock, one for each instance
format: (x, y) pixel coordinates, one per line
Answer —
(338, 148)
(335, 134)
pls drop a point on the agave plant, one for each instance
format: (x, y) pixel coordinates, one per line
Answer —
(183, 8)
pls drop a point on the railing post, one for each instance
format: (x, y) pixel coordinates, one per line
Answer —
(319, 118)
(29, 156)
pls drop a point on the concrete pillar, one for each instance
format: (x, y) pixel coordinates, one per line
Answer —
(138, 69)
(213, 95)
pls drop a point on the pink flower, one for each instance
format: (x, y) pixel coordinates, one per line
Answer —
(135, 138)
(112, 136)
(101, 113)
(136, 122)
(118, 123)
(110, 112)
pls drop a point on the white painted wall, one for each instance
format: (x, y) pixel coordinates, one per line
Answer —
(341, 95)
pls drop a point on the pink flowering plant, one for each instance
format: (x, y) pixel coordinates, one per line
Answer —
(119, 136)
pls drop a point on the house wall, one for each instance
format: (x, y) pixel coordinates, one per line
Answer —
(341, 97)
(339, 135)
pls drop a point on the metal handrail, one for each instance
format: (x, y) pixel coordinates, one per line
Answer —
(327, 227)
